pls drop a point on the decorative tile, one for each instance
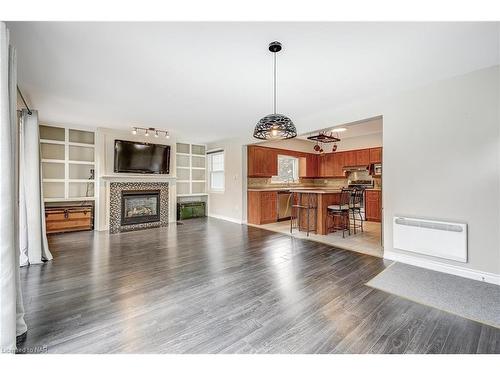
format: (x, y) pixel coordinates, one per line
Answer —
(115, 203)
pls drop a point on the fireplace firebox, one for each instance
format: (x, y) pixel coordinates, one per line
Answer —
(140, 206)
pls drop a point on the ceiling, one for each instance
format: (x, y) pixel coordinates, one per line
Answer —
(208, 81)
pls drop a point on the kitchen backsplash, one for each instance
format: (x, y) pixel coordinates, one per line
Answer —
(263, 183)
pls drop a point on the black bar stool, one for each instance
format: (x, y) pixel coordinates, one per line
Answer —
(355, 208)
(341, 212)
(300, 206)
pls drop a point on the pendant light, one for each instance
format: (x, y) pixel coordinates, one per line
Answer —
(275, 126)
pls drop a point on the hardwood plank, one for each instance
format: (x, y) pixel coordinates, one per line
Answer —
(211, 286)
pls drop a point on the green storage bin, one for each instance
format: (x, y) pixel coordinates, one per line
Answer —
(189, 210)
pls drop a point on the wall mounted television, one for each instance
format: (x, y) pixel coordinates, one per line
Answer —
(137, 157)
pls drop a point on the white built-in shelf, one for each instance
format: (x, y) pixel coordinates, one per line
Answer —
(191, 161)
(192, 195)
(57, 143)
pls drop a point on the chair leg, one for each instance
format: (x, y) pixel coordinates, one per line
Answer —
(361, 219)
(354, 217)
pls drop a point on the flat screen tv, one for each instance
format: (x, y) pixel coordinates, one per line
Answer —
(136, 157)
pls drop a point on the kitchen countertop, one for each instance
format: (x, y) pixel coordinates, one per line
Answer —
(299, 189)
(316, 191)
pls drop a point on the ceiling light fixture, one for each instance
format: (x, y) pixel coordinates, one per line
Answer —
(275, 126)
(339, 130)
(147, 131)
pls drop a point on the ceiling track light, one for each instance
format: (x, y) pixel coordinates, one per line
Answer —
(147, 131)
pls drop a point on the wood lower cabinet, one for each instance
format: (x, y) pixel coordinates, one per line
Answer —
(68, 218)
(373, 205)
(262, 207)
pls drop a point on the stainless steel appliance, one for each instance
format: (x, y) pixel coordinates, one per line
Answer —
(284, 205)
(361, 184)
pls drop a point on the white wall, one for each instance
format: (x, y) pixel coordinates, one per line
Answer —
(441, 160)
(105, 141)
(229, 204)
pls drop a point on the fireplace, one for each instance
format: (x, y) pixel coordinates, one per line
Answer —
(137, 205)
(140, 206)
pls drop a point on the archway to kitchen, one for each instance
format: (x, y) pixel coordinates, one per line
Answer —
(311, 170)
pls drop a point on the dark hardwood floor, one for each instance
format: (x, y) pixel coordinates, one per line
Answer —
(210, 286)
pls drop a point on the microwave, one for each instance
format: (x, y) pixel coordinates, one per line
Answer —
(377, 169)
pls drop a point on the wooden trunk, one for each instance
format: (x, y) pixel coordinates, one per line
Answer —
(68, 219)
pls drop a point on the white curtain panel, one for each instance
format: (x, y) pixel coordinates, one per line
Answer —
(11, 307)
(32, 232)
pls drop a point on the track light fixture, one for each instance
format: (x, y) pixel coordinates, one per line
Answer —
(147, 131)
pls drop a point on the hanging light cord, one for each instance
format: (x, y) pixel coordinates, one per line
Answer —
(274, 82)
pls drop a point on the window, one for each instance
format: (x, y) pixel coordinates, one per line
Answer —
(216, 169)
(288, 170)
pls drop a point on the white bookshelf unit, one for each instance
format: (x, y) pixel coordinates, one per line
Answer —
(191, 170)
(68, 164)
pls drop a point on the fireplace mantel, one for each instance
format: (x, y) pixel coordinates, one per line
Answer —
(139, 178)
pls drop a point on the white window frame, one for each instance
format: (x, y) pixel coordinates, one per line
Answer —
(210, 156)
(296, 172)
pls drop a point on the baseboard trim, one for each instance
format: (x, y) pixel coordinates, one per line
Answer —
(226, 218)
(442, 267)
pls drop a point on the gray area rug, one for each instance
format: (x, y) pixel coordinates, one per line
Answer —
(470, 299)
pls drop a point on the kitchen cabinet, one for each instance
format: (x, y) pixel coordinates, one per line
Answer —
(262, 161)
(363, 157)
(373, 205)
(331, 165)
(262, 207)
(308, 166)
(350, 158)
(376, 155)
(325, 165)
(338, 164)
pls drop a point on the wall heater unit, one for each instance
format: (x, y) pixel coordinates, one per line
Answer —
(435, 238)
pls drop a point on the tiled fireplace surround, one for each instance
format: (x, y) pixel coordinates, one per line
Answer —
(115, 202)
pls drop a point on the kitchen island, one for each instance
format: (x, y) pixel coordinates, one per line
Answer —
(319, 198)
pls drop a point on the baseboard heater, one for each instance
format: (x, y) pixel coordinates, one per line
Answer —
(429, 237)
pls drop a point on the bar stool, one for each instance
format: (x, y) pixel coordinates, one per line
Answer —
(297, 208)
(355, 208)
(341, 212)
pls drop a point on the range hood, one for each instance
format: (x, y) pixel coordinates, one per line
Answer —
(355, 168)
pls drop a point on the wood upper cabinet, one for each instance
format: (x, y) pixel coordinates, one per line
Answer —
(338, 164)
(373, 205)
(262, 207)
(376, 155)
(325, 162)
(350, 158)
(331, 165)
(363, 157)
(308, 166)
(262, 161)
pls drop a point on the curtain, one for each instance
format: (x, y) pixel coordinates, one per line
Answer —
(11, 306)
(32, 232)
